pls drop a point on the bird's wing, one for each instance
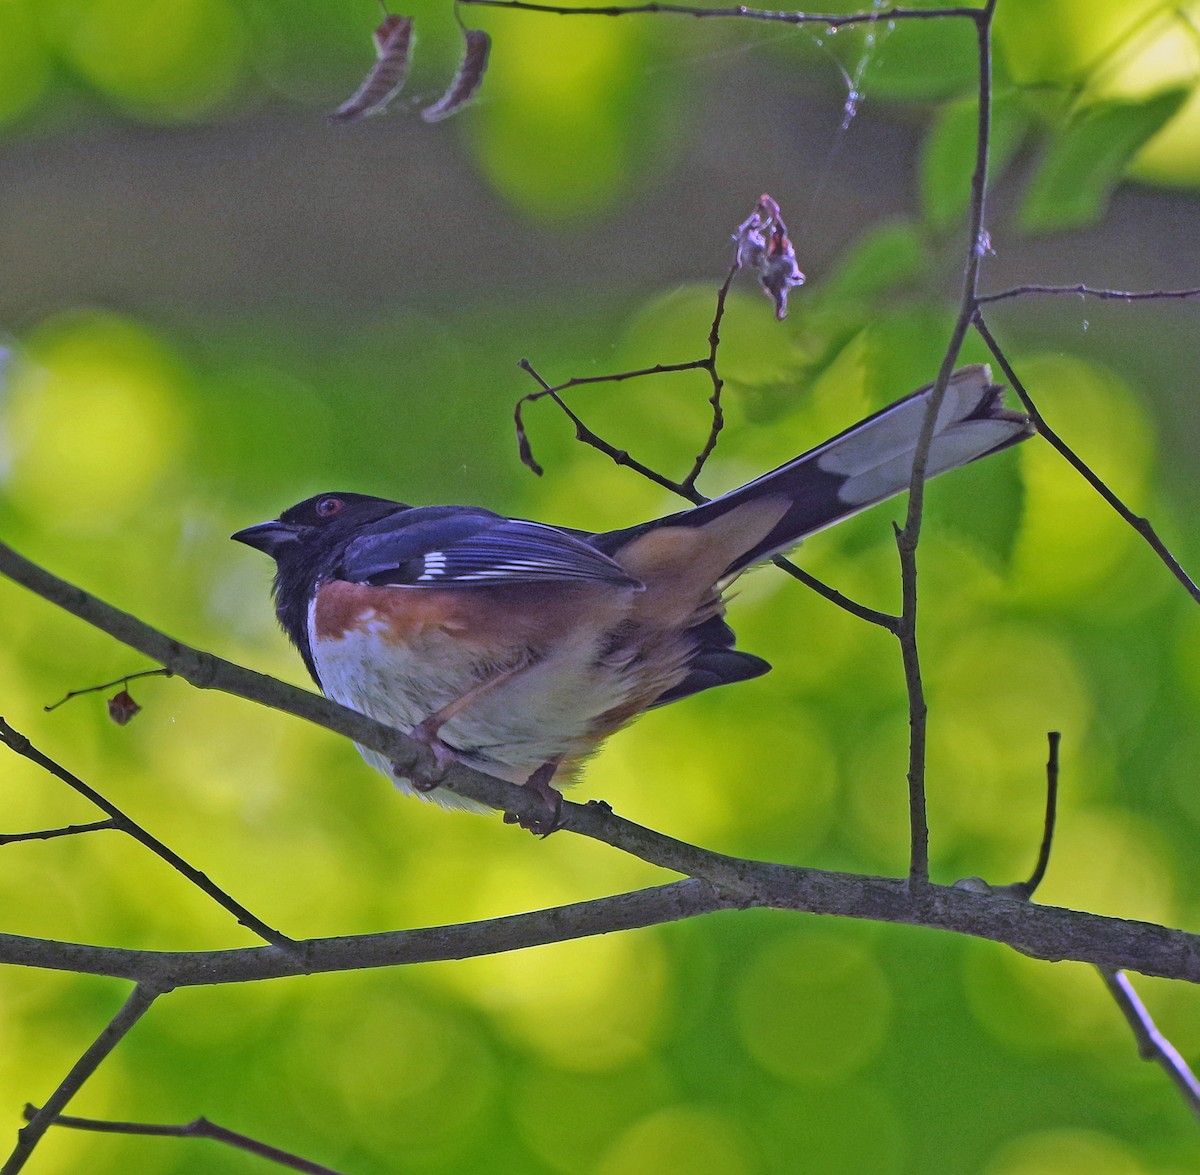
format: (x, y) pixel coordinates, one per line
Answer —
(461, 546)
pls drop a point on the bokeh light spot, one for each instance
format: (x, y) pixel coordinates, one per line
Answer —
(813, 1008)
(1066, 1152)
(94, 421)
(588, 1005)
(681, 1140)
(166, 58)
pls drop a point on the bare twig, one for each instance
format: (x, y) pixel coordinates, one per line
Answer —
(197, 1128)
(685, 489)
(1029, 888)
(718, 384)
(908, 537)
(585, 434)
(93, 689)
(1142, 525)
(1082, 291)
(117, 819)
(1152, 1044)
(870, 615)
(8, 838)
(833, 20)
(134, 1008)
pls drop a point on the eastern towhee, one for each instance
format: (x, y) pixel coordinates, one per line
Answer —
(517, 647)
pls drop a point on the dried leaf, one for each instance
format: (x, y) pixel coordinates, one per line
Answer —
(121, 707)
(763, 244)
(466, 80)
(393, 43)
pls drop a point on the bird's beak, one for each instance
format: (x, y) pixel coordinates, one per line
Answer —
(268, 537)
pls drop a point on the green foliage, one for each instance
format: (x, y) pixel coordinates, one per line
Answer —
(1085, 160)
(948, 160)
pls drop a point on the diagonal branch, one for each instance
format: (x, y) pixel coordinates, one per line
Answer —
(9, 838)
(1143, 526)
(19, 744)
(1152, 1044)
(197, 1128)
(134, 1008)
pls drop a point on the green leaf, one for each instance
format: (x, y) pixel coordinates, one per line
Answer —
(983, 506)
(919, 60)
(890, 255)
(1085, 161)
(948, 156)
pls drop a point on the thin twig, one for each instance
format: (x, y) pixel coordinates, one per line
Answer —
(134, 1008)
(718, 384)
(8, 838)
(833, 20)
(1054, 739)
(1142, 525)
(21, 745)
(1024, 890)
(681, 489)
(870, 615)
(1152, 1044)
(582, 432)
(908, 537)
(122, 681)
(1083, 291)
(197, 1128)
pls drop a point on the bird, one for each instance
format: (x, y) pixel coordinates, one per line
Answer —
(518, 647)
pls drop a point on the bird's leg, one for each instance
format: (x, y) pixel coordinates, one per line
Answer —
(428, 730)
(540, 782)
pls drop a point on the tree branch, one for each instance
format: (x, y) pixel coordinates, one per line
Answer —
(1143, 526)
(1083, 291)
(908, 537)
(833, 20)
(20, 745)
(1042, 932)
(1152, 1045)
(134, 1008)
(197, 1128)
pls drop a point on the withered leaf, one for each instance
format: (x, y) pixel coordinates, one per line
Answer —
(763, 244)
(393, 44)
(466, 80)
(121, 707)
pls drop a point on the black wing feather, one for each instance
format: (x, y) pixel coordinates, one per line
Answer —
(463, 546)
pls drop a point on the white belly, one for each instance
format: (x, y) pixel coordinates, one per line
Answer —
(546, 711)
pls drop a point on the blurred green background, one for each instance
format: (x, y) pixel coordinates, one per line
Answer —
(220, 304)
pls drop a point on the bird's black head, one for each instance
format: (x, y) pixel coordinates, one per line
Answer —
(305, 542)
(315, 527)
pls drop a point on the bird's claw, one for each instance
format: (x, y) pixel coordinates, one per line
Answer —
(444, 758)
(539, 782)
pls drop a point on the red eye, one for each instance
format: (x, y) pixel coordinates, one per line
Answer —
(328, 507)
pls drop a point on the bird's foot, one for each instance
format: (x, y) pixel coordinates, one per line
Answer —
(543, 824)
(427, 733)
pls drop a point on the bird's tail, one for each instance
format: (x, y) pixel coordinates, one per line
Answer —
(872, 461)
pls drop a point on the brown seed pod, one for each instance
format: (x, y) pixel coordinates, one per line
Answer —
(466, 80)
(393, 44)
(122, 707)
